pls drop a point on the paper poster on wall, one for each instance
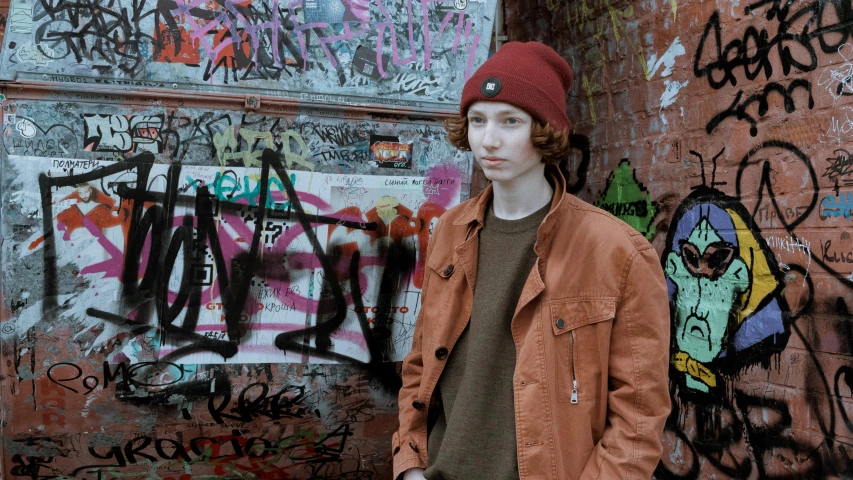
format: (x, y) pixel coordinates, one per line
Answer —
(104, 215)
(402, 211)
(204, 265)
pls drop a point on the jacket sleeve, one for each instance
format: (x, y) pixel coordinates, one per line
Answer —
(405, 457)
(638, 397)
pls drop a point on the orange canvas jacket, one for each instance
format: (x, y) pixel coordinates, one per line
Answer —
(591, 333)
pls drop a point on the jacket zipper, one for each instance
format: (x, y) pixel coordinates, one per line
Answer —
(574, 377)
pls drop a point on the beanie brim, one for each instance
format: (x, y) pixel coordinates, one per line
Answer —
(519, 93)
(530, 76)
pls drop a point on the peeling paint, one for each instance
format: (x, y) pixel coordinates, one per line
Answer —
(667, 60)
(669, 95)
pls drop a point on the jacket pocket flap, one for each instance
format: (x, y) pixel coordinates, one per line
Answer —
(569, 315)
(442, 263)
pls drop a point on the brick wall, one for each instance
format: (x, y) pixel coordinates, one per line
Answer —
(720, 129)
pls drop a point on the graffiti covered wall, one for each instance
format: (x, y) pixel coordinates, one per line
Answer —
(719, 129)
(173, 287)
(214, 220)
(414, 54)
(198, 290)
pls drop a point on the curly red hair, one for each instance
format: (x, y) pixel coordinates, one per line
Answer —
(551, 143)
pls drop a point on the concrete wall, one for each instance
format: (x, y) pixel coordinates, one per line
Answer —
(214, 219)
(720, 129)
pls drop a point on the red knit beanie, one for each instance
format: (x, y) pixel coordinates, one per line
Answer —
(527, 75)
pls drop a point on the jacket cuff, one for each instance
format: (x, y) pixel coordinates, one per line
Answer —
(406, 458)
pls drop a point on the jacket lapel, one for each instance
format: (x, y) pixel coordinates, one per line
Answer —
(532, 288)
(467, 253)
(474, 216)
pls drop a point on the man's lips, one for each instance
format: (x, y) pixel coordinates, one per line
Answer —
(492, 161)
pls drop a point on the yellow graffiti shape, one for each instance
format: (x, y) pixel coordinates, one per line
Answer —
(289, 156)
(582, 13)
(553, 5)
(225, 140)
(577, 12)
(616, 17)
(683, 362)
(252, 157)
(226, 145)
(590, 87)
(763, 281)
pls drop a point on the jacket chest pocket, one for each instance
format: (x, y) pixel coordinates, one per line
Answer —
(580, 347)
(444, 298)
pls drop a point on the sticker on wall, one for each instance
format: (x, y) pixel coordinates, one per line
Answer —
(26, 128)
(38, 55)
(337, 11)
(625, 197)
(460, 4)
(324, 11)
(364, 62)
(389, 152)
(364, 255)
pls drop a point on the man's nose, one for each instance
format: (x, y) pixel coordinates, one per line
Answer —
(491, 137)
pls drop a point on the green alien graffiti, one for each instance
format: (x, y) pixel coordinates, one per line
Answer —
(725, 291)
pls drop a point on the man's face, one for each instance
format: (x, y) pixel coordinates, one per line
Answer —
(85, 193)
(499, 135)
(709, 277)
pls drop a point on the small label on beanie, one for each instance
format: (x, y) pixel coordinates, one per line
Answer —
(490, 87)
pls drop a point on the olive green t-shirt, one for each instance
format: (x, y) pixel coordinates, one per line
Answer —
(474, 434)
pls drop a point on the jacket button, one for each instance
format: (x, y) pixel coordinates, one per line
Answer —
(449, 270)
(441, 353)
(419, 405)
(414, 447)
(560, 323)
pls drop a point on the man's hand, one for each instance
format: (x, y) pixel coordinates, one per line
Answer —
(414, 474)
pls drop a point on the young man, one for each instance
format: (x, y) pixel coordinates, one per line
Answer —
(542, 344)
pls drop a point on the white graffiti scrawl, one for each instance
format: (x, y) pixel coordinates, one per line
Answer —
(118, 133)
(39, 55)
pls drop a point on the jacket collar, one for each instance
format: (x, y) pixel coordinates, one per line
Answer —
(475, 213)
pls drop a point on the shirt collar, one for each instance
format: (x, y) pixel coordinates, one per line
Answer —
(475, 213)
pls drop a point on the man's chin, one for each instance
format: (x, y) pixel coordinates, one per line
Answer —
(495, 175)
